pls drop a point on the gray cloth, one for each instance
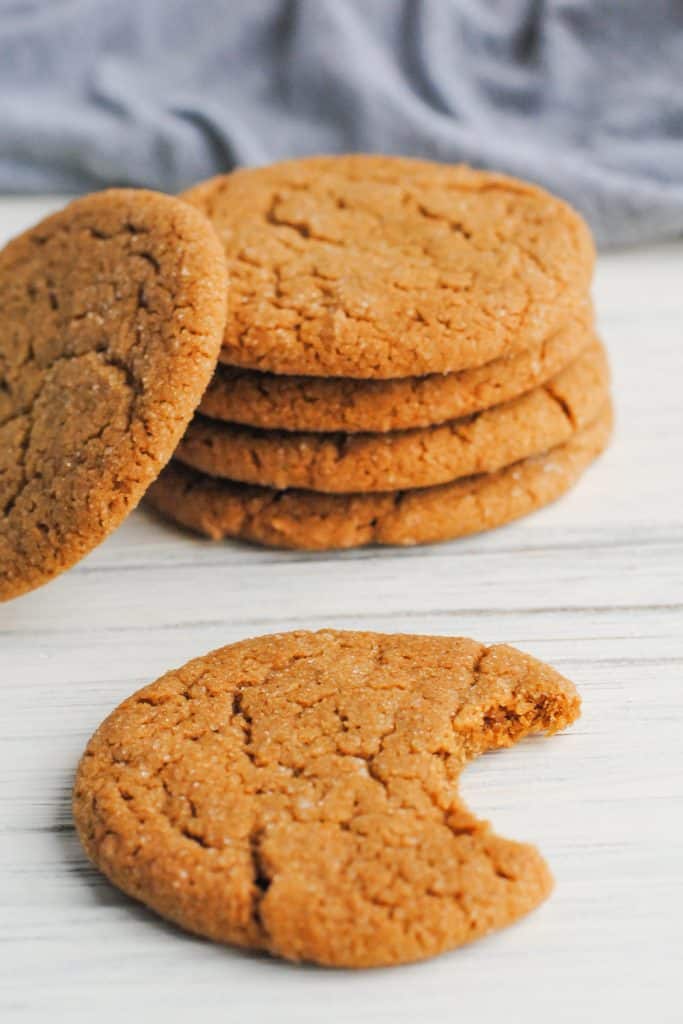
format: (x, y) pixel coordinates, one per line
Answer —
(583, 96)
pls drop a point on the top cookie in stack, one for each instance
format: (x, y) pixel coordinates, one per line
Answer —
(409, 351)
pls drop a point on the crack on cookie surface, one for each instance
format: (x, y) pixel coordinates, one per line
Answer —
(563, 403)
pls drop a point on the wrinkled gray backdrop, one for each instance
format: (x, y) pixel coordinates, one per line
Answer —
(585, 96)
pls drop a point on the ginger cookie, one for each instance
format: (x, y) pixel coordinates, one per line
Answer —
(331, 404)
(317, 522)
(113, 313)
(381, 267)
(298, 793)
(424, 457)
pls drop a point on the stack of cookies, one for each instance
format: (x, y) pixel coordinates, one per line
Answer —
(409, 356)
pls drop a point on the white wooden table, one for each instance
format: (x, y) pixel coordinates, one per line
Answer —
(593, 585)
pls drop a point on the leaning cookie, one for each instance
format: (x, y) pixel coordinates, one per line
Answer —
(308, 521)
(298, 794)
(427, 456)
(331, 404)
(379, 267)
(112, 316)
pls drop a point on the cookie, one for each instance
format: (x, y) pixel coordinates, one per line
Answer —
(424, 457)
(113, 312)
(317, 522)
(298, 793)
(380, 267)
(331, 404)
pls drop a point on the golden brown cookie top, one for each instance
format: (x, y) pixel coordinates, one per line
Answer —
(372, 266)
(112, 315)
(299, 793)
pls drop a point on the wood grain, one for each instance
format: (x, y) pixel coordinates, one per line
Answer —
(593, 585)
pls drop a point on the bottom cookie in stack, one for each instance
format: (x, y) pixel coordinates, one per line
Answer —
(308, 520)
